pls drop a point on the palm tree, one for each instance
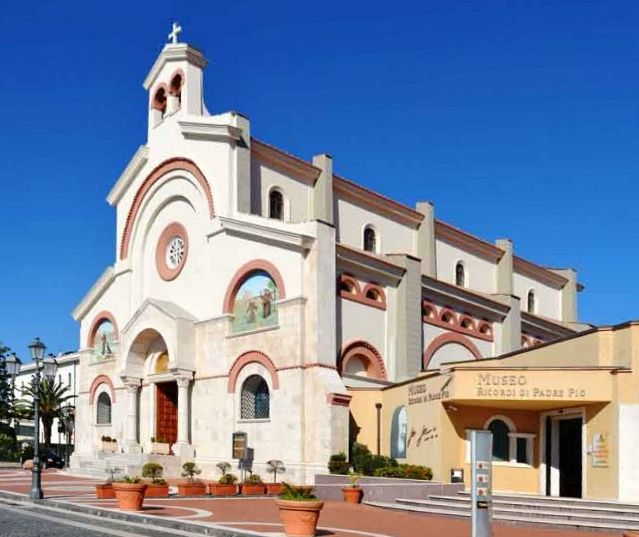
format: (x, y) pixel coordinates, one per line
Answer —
(273, 466)
(52, 403)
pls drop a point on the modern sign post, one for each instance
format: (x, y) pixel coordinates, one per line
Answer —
(481, 451)
(240, 449)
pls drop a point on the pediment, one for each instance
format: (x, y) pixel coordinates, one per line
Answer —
(151, 307)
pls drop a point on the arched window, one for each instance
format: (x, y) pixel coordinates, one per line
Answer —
(276, 205)
(370, 240)
(501, 441)
(255, 403)
(530, 302)
(460, 275)
(103, 409)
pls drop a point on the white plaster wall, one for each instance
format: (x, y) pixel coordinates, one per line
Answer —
(628, 431)
(363, 322)
(547, 299)
(430, 332)
(297, 195)
(480, 273)
(450, 352)
(392, 237)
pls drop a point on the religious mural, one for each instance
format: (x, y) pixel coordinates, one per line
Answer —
(104, 340)
(254, 305)
(399, 431)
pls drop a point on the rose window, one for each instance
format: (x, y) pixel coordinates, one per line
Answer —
(175, 251)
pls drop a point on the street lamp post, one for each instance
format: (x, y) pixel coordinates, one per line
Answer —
(12, 366)
(48, 365)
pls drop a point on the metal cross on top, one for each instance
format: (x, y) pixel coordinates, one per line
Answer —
(173, 36)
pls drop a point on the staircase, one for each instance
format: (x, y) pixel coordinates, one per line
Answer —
(95, 466)
(569, 513)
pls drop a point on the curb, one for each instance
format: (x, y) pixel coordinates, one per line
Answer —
(158, 522)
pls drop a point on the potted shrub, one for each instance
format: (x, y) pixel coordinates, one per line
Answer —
(129, 491)
(159, 446)
(353, 493)
(193, 486)
(338, 464)
(299, 511)
(104, 491)
(156, 486)
(273, 467)
(226, 485)
(253, 486)
(109, 445)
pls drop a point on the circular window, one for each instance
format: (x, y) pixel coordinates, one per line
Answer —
(171, 251)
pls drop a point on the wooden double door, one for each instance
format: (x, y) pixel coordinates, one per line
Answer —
(166, 424)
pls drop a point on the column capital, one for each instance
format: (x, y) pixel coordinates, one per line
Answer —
(132, 384)
(183, 382)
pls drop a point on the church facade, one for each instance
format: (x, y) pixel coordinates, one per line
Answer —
(251, 290)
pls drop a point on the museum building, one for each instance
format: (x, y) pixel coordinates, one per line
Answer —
(256, 292)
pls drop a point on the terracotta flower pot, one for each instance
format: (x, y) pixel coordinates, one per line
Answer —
(130, 496)
(249, 489)
(192, 489)
(218, 489)
(105, 491)
(273, 489)
(299, 518)
(156, 491)
(352, 494)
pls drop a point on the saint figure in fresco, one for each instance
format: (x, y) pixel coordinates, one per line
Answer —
(267, 298)
(106, 348)
(252, 310)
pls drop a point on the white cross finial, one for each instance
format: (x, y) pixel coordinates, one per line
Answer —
(173, 36)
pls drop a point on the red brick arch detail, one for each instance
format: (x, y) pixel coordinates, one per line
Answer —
(102, 316)
(97, 382)
(444, 339)
(375, 366)
(247, 358)
(381, 300)
(243, 272)
(157, 173)
(182, 79)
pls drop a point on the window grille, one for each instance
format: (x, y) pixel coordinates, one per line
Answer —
(255, 403)
(103, 416)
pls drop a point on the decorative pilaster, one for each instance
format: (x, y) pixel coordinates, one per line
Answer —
(131, 443)
(183, 447)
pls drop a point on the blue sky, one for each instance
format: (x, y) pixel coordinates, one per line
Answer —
(517, 118)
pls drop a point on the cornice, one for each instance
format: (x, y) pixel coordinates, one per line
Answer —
(263, 232)
(285, 162)
(201, 129)
(543, 326)
(96, 291)
(467, 242)
(171, 53)
(538, 273)
(137, 162)
(351, 191)
(461, 299)
(378, 268)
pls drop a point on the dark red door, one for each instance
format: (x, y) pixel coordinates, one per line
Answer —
(166, 424)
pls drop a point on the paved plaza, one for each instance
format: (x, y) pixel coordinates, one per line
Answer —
(260, 514)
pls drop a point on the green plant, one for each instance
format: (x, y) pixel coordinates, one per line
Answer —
(9, 450)
(297, 494)
(253, 479)
(153, 439)
(153, 471)
(337, 464)
(365, 463)
(273, 466)
(114, 440)
(354, 479)
(406, 471)
(228, 479)
(190, 470)
(132, 480)
(105, 438)
(223, 467)
(27, 452)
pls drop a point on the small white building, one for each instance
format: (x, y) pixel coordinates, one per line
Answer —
(251, 287)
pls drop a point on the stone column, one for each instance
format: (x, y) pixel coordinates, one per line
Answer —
(183, 447)
(131, 444)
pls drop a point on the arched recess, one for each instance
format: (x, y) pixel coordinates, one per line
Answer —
(247, 358)
(367, 355)
(445, 339)
(160, 171)
(97, 382)
(102, 316)
(244, 271)
(146, 347)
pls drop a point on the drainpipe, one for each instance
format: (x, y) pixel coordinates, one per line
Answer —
(378, 406)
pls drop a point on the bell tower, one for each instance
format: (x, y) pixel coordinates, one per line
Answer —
(175, 82)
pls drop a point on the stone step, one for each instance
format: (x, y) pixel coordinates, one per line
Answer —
(519, 517)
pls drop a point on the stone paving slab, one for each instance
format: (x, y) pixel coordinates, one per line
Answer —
(257, 516)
